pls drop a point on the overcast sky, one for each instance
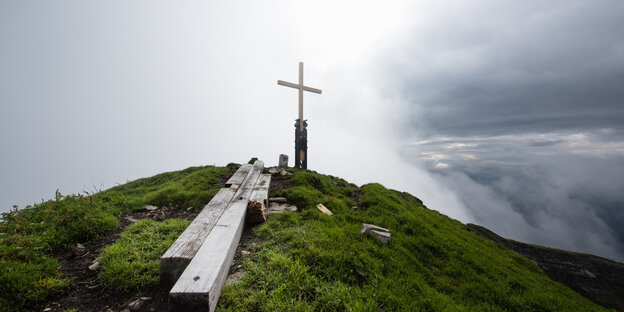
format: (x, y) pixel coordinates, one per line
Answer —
(505, 114)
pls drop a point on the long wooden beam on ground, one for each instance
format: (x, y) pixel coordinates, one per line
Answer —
(237, 178)
(199, 286)
(179, 255)
(260, 191)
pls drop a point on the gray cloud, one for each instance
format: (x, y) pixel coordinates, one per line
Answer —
(519, 108)
(499, 68)
(557, 190)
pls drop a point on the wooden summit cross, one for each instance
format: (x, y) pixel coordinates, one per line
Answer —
(301, 132)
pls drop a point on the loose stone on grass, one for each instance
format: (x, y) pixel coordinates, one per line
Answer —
(79, 250)
(135, 305)
(279, 200)
(381, 234)
(232, 278)
(150, 207)
(280, 171)
(95, 265)
(131, 219)
(279, 208)
(324, 209)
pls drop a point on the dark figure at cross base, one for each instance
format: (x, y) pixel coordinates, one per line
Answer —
(301, 145)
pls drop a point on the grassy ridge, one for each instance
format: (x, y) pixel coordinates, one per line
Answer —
(314, 262)
(31, 236)
(307, 261)
(191, 187)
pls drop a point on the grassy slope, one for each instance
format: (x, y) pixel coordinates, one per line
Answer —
(30, 237)
(308, 261)
(311, 261)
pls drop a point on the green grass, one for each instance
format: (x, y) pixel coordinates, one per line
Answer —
(133, 261)
(306, 261)
(30, 237)
(191, 187)
(314, 262)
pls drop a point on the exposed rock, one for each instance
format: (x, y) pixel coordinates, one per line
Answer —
(135, 305)
(279, 200)
(280, 171)
(587, 273)
(381, 234)
(131, 219)
(354, 208)
(146, 298)
(150, 207)
(274, 170)
(279, 208)
(245, 252)
(47, 309)
(95, 265)
(255, 212)
(234, 277)
(79, 250)
(93, 287)
(324, 209)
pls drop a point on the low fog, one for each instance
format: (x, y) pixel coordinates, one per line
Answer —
(505, 115)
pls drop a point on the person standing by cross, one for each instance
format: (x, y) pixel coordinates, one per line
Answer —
(301, 132)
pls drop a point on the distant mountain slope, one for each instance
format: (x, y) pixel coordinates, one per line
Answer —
(596, 278)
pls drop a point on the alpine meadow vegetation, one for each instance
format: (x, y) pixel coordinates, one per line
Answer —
(297, 261)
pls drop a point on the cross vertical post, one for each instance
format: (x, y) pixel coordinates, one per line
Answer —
(301, 131)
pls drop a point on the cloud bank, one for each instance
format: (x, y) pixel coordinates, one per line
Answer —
(508, 115)
(518, 108)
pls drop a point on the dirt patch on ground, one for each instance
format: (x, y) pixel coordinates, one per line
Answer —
(356, 196)
(244, 250)
(279, 182)
(85, 292)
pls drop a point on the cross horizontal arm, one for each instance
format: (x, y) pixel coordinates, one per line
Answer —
(296, 86)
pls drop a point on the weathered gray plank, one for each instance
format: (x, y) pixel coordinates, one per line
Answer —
(238, 176)
(263, 182)
(179, 255)
(199, 286)
(260, 191)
